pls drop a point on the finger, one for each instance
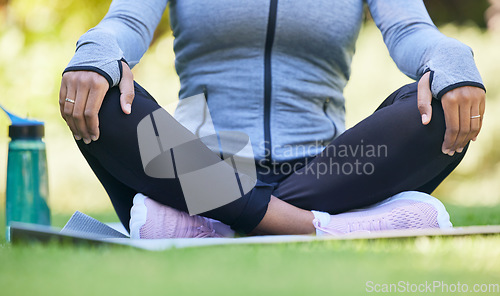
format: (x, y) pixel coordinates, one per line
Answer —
(62, 97)
(482, 107)
(424, 99)
(78, 112)
(452, 119)
(475, 123)
(126, 89)
(464, 130)
(68, 111)
(94, 102)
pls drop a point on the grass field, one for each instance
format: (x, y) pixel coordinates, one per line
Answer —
(330, 268)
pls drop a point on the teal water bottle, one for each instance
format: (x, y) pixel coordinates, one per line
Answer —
(27, 187)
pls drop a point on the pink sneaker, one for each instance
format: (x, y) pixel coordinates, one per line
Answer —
(152, 220)
(406, 210)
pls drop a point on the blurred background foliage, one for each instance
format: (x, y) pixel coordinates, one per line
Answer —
(37, 39)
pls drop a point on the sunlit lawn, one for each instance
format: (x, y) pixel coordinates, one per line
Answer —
(330, 268)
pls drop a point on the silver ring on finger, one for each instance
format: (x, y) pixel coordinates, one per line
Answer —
(475, 116)
(70, 100)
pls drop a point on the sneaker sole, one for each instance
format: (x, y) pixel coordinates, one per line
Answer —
(138, 215)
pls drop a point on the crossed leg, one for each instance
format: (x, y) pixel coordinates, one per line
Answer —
(412, 161)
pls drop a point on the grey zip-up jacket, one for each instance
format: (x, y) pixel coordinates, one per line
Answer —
(275, 69)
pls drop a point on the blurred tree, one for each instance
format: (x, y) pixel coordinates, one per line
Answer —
(458, 11)
(493, 15)
(41, 19)
(461, 12)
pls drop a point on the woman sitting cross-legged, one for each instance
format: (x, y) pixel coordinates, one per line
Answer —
(274, 71)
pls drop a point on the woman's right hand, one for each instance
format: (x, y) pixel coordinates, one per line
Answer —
(87, 89)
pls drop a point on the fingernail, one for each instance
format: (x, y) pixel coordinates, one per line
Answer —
(128, 108)
(446, 151)
(474, 139)
(77, 137)
(459, 150)
(424, 118)
(451, 153)
(93, 137)
(86, 141)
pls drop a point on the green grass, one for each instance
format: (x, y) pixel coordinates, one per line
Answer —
(334, 267)
(464, 216)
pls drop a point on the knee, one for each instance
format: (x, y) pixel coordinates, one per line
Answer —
(437, 123)
(430, 136)
(110, 104)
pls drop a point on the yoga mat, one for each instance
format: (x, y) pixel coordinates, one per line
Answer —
(83, 229)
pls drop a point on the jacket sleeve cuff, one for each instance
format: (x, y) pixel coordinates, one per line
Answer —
(97, 52)
(457, 85)
(93, 69)
(452, 66)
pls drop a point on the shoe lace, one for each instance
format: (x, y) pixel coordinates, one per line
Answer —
(317, 225)
(353, 227)
(206, 230)
(366, 225)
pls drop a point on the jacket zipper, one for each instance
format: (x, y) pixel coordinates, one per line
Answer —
(271, 29)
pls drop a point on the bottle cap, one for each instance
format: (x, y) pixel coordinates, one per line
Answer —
(23, 128)
(26, 131)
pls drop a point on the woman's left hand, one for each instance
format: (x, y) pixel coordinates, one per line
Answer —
(461, 107)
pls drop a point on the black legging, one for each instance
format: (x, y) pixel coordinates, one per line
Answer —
(386, 153)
